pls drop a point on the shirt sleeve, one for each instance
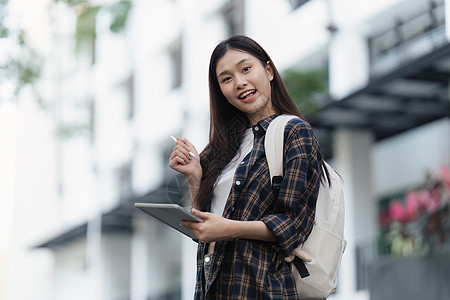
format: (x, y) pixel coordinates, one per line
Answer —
(293, 218)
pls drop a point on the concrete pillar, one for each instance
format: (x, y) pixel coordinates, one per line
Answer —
(348, 52)
(188, 268)
(352, 159)
(139, 277)
(447, 18)
(348, 62)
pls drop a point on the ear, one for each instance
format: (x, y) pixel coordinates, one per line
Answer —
(269, 70)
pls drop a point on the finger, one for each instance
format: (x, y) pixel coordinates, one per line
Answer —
(186, 224)
(176, 161)
(178, 157)
(302, 255)
(181, 153)
(181, 148)
(175, 153)
(192, 226)
(289, 258)
(184, 143)
(190, 147)
(200, 214)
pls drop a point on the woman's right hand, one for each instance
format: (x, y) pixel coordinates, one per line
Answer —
(180, 160)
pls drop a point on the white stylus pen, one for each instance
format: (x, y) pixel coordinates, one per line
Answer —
(175, 140)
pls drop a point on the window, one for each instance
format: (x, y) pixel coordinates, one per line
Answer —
(129, 84)
(297, 3)
(233, 14)
(124, 177)
(176, 61)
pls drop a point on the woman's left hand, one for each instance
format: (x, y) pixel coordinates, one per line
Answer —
(214, 228)
(299, 253)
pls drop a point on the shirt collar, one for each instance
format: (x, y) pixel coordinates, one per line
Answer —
(259, 129)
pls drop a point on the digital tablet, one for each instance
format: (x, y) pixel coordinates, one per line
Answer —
(170, 214)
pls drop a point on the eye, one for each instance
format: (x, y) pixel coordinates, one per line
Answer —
(246, 69)
(226, 79)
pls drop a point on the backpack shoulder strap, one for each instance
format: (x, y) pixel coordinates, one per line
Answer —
(273, 146)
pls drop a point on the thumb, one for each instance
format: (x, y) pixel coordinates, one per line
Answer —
(200, 214)
(289, 258)
(301, 254)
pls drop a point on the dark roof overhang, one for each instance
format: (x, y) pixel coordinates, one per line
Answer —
(120, 219)
(407, 97)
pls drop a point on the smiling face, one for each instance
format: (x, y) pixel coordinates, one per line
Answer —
(245, 82)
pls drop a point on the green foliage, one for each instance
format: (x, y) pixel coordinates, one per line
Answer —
(21, 67)
(119, 12)
(86, 19)
(4, 31)
(70, 131)
(85, 28)
(25, 72)
(24, 66)
(21, 72)
(307, 88)
(72, 2)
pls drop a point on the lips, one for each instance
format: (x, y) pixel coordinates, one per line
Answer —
(247, 96)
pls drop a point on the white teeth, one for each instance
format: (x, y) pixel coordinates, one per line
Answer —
(246, 94)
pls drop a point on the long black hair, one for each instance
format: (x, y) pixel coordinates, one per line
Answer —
(227, 123)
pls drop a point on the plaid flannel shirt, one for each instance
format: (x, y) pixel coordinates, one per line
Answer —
(250, 269)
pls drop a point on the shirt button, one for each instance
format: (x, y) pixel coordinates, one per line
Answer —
(256, 128)
(243, 162)
(238, 182)
(232, 209)
(207, 259)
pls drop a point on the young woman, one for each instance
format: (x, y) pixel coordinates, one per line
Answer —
(247, 233)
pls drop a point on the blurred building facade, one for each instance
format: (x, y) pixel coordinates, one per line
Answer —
(73, 171)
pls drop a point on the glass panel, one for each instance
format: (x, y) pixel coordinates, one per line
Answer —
(297, 3)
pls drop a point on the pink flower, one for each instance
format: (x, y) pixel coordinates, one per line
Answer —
(445, 173)
(433, 203)
(412, 205)
(423, 196)
(396, 211)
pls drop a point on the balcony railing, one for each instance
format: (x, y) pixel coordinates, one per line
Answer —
(367, 253)
(408, 40)
(371, 251)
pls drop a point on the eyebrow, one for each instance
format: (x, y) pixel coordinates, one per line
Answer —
(239, 63)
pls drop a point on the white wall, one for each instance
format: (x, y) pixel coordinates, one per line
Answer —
(402, 162)
(8, 128)
(288, 36)
(30, 202)
(156, 258)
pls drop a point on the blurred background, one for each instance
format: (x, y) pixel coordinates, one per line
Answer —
(92, 90)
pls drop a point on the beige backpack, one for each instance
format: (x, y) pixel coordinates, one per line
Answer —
(325, 245)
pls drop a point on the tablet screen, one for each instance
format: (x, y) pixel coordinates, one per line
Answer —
(170, 214)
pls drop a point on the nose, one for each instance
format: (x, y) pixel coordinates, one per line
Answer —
(241, 82)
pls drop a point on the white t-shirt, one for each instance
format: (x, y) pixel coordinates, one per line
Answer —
(223, 184)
